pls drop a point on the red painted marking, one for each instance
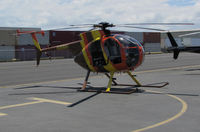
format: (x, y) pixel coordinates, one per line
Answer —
(34, 37)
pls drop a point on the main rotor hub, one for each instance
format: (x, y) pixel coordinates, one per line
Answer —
(104, 25)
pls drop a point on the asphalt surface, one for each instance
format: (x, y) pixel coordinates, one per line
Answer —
(45, 98)
(13, 73)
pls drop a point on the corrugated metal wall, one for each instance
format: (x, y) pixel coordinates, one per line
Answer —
(137, 35)
(7, 37)
(7, 53)
(9, 41)
(152, 47)
(26, 52)
(152, 41)
(191, 41)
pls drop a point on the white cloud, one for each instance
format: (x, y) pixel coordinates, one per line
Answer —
(59, 13)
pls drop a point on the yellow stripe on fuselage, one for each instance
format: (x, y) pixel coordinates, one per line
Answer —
(96, 34)
(82, 41)
(86, 57)
(87, 60)
(36, 44)
(109, 67)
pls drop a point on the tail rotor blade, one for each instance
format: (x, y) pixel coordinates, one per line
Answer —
(174, 45)
(176, 53)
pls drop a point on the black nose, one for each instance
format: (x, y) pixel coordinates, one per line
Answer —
(79, 59)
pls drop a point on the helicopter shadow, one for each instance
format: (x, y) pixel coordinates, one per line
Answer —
(97, 91)
(72, 90)
(196, 70)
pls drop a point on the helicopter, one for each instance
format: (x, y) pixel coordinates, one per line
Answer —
(177, 49)
(101, 51)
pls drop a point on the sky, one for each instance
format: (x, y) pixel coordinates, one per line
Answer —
(49, 14)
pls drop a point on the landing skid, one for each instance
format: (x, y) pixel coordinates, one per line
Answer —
(130, 90)
(154, 85)
(112, 82)
(112, 91)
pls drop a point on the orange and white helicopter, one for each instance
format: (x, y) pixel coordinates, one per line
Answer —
(102, 52)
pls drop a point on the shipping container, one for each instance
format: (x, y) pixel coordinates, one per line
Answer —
(61, 54)
(26, 39)
(7, 53)
(61, 37)
(26, 52)
(137, 35)
(151, 37)
(152, 47)
(23, 53)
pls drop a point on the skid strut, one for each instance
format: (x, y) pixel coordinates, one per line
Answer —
(134, 79)
(134, 88)
(86, 80)
(110, 82)
(113, 79)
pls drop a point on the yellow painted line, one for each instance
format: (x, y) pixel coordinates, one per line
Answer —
(39, 83)
(50, 101)
(182, 111)
(38, 100)
(139, 72)
(19, 105)
(3, 114)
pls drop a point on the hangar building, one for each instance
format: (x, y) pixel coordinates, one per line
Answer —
(14, 47)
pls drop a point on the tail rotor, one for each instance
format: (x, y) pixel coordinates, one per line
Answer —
(174, 45)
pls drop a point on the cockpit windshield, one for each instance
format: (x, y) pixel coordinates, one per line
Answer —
(127, 41)
(131, 48)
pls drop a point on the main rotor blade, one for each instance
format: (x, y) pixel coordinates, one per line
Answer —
(158, 24)
(155, 29)
(73, 27)
(189, 34)
(82, 25)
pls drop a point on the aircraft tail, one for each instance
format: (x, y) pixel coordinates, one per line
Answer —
(74, 47)
(174, 45)
(35, 41)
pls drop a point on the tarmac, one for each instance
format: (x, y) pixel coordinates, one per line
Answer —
(46, 98)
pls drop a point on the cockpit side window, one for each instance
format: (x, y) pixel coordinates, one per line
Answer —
(135, 41)
(112, 50)
(97, 54)
(131, 49)
(126, 42)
